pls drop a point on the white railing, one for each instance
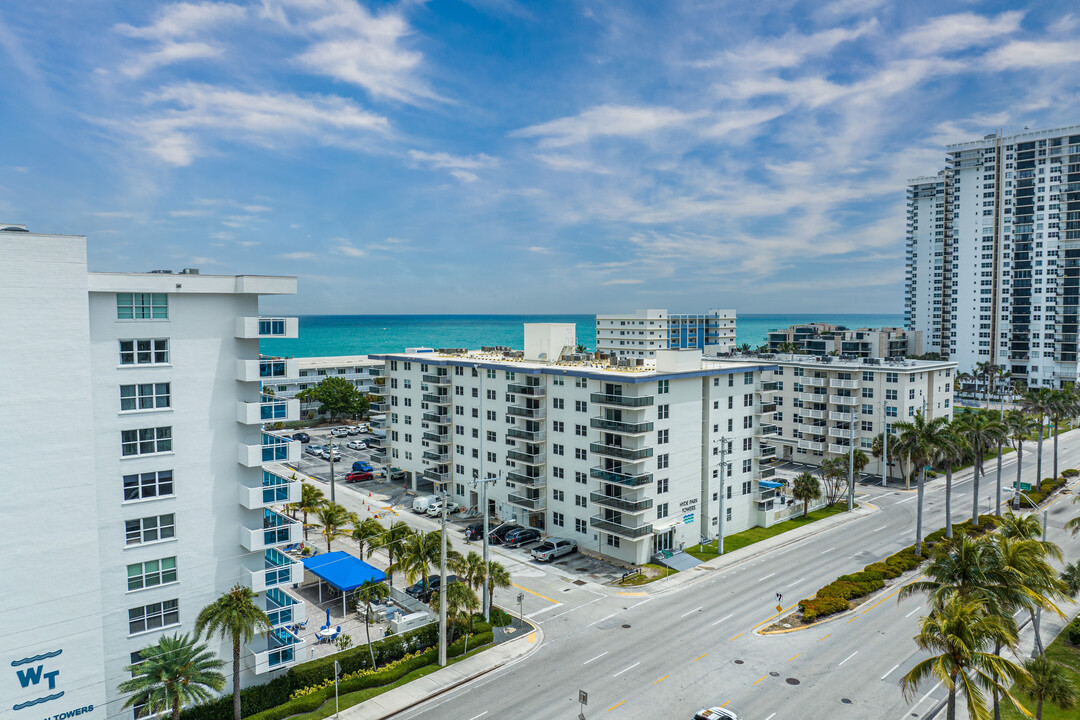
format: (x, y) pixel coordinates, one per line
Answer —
(847, 384)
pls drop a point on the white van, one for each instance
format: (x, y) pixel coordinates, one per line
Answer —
(422, 503)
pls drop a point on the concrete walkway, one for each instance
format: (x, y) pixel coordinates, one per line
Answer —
(430, 686)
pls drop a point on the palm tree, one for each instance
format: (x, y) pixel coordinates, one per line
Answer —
(233, 616)
(470, 569)
(333, 518)
(960, 630)
(391, 541)
(1038, 402)
(922, 441)
(805, 488)
(498, 577)
(1063, 407)
(459, 597)
(368, 593)
(1023, 570)
(985, 372)
(1048, 680)
(958, 567)
(175, 672)
(365, 532)
(952, 449)
(1019, 425)
(744, 348)
(1070, 575)
(982, 431)
(419, 552)
(311, 499)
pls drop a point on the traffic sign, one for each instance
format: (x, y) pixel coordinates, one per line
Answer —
(583, 697)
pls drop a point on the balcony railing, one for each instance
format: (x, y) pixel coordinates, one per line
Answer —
(439, 437)
(437, 398)
(276, 529)
(839, 432)
(525, 479)
(278, 569)
(436, 477)
(811, 445)
(523, 411)
(618, 503)
(276, 650)
(437, 456)
(619, 426)
(532, 458)
(767, 451)
(811, 429)
(381, 406)
(536, 503)
(523, 434)
(846, 384)
(841, 416)
(274, 490)
(766, 386)
(436, 379)
(625, 531)
(767, 429)
(273, 449)
(764, 408)
(267, 369)
(838, 449)
(815, 414)
(766, 473)
(843, 400)
(630, 401)
(256, 413)
(252, 328)
(526, 389)
(814, 381)
(623, 453)
(811, 397)
(438, 418)
(282, 608)
(621, 478)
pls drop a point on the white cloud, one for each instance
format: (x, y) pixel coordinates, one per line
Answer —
(223, 236)
(248, 243)
(168, 54)
(188, 213)
(539, 250)
(256, 208)
(193, 21)
(624, 121)
(1033, 53)
(446, 160)
(465, 176)
(297, 256)
(114, 214)
(963, 30)
(790, 50)
(344, 247)
(569, 163)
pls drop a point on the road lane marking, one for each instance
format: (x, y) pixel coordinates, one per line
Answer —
(761, 678)
(797, 582)
(544, 610)
(736, 637)
(615, 706)
(825, 551)
(820, 639)
(699, 657)
(894, 592)
(852, 619)
(848, 658)
(794, 656)
(625, 669)
(890, 671)
(691, 612)
(726, 704)
(914, 497)
(577, 607)
(603, 619)
(766, 577)
(533, 592)
(771, 716)
(632, 594)
(481, 715)
(661, 679)
(881, 528)
(913, 611)
(774, 616)
(595, 658)
(722, 619)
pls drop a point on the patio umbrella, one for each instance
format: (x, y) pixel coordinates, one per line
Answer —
(327, 617)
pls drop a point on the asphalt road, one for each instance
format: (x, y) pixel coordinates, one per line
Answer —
(657, 654)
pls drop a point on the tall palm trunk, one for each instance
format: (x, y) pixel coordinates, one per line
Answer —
(948, 499)
(975, 494)
(236, 677)
(950, 713)
(997, 498)
(367, 627)
(1055, 447)
(1038, 636)
(1038, 462)
(390, 575)
(918, 521)
(997, 700)
(1019, 461)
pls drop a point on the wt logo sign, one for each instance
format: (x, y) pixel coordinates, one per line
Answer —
(31, 673)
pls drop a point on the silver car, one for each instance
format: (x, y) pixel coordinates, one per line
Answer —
(715, 713)
(553, 548)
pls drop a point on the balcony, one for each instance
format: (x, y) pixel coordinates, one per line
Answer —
(274, 490)
(526, 479)
(536, 503)
(838, 449)
(626, 401)
(254, 328)
(815, 414)
(839, 432)
(436, 379)
(764, 495)
(767, 451)
(282, 608)
(436, 477)
(274, 448)
(764, 408)
(267, 369)
(846, 384)
(841, 416)
(624, 531)
(533, 390)
(437, 418)
(276, 650)
(523, 434)
(437, 398)
(617, 451)
(767, 429)
(532, 458)
(277, 569)
(535, 413)
(276, 529)
(807, 397)
(439, 437)
(814, 381)
(619, 426)
(842, 400)
(766, 473)
(268, 410)
(811, 429)
(766, 386)
(438, 456)
(379, 406)
(618, 503)
(621, 478)
(810, 445)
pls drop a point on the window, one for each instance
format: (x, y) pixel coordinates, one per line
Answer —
(663, 412)
(746, 487)
(727, 514)
(581, 382)
(891, 377)
(662, 485)
(890, 411)
(490, 394)
(613, 541)
(661, 511)
(491, 436)
(867, 426)
(662, 387)
(145, 441)
(154, 351)
(557, 426)
(662, 437)
(558, 449)
(558, 495)
(558, 519)
(868, 376)
(580, 477)
(661, 461)
(890, 394)
(581, 430)
(148, 485)
(153, 616)
(492, 457)
(142, 306)
(868, 392)
(747, 465)
(145, 396)
(558, 403)
(580, 526)
(581, 406)
(153, 572)
(581, 454)
(476, 413)
(581, 501)
(150, 529)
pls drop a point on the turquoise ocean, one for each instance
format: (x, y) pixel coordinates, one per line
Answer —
(327, 335)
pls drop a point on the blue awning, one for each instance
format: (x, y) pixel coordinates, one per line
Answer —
(769, 484)
(342, 570)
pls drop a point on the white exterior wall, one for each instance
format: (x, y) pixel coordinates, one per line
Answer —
(925, 241)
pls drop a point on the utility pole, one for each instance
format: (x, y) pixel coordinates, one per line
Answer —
(884, 445)
(851, 464)
(723, 491)
(484, 510)
(442, 584)
(332, 496)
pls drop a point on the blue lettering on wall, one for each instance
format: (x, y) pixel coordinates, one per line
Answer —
(33, 675)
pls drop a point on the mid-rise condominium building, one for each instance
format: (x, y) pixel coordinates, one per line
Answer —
(824, 404)
(624, 460)
(641, 334)
(142, 483)
(828, 339)
(993, 256)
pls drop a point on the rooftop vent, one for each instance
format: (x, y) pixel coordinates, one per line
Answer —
(10, 227)
(190, 271)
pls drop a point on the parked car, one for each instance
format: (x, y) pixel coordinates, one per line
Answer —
(353, 430)
(553, 548)
(524, 536)
(327, 446)
(433, 584)
(302, 437)
(422, 503)
(340, 432)
(436, 508)
(496, 536)
(356, 445)
(326, 455)
(396, 473)
(474, 531)
(313, 449)
(358, 477)
(362, 466)
(715, 713)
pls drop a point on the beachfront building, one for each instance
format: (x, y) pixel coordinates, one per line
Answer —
(824, 404)
(993, 255)
(641, 334)
(623, 459)
(828, 339)
(143, 486)
(359, 370)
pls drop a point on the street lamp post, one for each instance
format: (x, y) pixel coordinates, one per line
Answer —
(884, 444)
(721, 494)
(442, 582)
(484, 509)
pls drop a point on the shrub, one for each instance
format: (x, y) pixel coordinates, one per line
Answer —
(500, 618)
(1072, 632)
(884, 569)
(458, 646)
(814, 608)
(1071, 472)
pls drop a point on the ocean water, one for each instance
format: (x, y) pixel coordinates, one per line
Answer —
(326, 335)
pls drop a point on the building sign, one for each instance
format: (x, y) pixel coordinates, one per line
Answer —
(36, 675)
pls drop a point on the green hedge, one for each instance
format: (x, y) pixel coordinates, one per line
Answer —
(1037, 497)
(1072, 631)
(1070, 473)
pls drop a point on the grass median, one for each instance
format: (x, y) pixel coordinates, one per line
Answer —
(757, 534)
(1061, 652)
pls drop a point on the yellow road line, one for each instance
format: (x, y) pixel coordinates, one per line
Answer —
(533, 592)
(736, 637)
(531, 638)
(662, 679)
(726, 704)
(773, 617)
(615, 706)
(852, 619)
(894, 592)
(761, 678)
(632, 594)
(792, 658)
(699, 657)
(820, 639)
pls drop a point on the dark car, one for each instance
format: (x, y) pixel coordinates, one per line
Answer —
(302, 437)
(358, 477)
(517, 538)
(496, 536)
(434, 581)
(362, 466)
(474, 531)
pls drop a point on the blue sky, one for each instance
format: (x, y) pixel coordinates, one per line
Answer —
(505, 156)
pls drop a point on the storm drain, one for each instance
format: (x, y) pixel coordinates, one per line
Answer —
(579, 582)
(846, 701)
(792, 681)
(774, 673)
(626, 627)
(738, 662)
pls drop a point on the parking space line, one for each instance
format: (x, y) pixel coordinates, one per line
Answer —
(848, 658)
(615, 706)
(890, 671)
(533, 592)
(722, 619)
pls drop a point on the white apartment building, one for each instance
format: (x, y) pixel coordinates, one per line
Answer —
(993, 258)
(625, 460)
(827, 339)
(641, 334)
(142, 483)
(360, 370)
(822, 404)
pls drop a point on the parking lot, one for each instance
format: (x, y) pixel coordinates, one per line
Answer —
(319, 468)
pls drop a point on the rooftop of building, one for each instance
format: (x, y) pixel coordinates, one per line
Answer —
(1025, 135)
(844, 362)
(332, 361)
(190, 281)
